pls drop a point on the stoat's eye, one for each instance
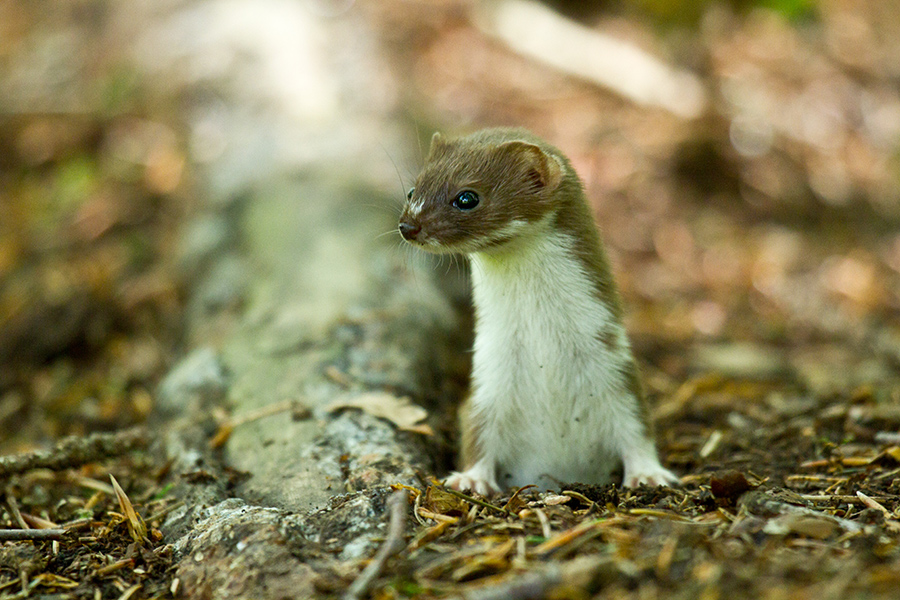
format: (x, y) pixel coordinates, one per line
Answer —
(466, 200)
(410, 193)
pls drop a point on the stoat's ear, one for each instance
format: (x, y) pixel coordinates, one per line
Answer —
(543, 169)
(438, 141)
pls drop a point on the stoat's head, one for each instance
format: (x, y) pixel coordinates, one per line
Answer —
(479, 192)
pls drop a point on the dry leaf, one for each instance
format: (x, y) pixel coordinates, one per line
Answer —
(894, 453)
(516, 503)
(443, 502)
(399, 410)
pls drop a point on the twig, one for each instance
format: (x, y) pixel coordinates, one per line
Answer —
(436, 516)
(561, 539)
(579, 496)
(888, 437)
(130, 591)
(545, 523)
(76, 451)
(473, 500)
(14, 508)
(417, 504)
(393, 544)
(711, 444)
(78, 524)
(829, 498)
(38, 535)
(92, 484)
(654, 512)
(228, 426)
(295, 407)
(112, 567)
(159, 515)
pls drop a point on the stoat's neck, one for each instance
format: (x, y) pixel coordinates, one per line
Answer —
(527, 246)
(561, 256)
(536, 282)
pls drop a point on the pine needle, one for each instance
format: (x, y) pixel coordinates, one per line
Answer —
(136, 526)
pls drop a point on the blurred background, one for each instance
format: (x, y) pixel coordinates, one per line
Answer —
(743, 159)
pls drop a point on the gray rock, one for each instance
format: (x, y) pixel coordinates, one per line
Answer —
(206, 237)
(224, 286)
(198, 381)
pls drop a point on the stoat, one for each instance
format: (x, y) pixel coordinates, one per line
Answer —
(555, 392)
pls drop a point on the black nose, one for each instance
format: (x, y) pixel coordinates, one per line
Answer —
(409, 231)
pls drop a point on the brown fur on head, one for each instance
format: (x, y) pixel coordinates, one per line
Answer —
(512, 177)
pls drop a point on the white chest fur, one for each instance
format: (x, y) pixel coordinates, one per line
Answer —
(549, 390)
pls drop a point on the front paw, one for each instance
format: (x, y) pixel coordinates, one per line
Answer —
(652, 475)
(474, 480)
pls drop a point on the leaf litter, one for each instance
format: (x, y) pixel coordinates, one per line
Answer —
(108, 544)
(759, 256)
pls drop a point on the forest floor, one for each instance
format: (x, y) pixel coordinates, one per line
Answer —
(758, 254)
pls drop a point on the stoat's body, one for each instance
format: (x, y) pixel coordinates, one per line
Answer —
(555, 392)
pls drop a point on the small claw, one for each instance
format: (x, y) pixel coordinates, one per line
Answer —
(656, 477)
(469, 481)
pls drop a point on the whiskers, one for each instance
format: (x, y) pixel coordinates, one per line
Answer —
(415, 260)
(452, 259)
(398, 207)
(393, 231)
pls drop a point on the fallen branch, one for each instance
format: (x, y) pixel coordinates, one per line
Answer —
(37, 535)
(392, 545)
(76, 451)
(538, 32)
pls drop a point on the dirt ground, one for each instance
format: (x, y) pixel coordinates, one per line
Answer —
(756, 246)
